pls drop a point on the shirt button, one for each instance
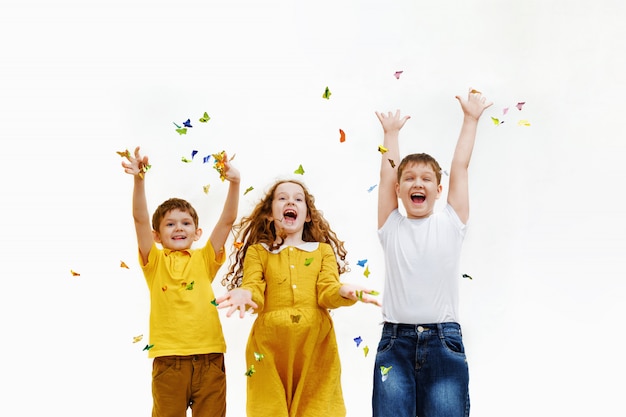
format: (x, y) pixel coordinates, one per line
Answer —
(290, 249)
(420, 329)
(292, 266)
(294, 286)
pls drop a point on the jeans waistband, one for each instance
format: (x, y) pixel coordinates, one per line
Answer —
(426, 328)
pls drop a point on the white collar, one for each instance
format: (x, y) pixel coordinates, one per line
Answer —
(306, 246)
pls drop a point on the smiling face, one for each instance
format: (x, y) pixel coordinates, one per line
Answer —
(177, 230)
(418, 190)
(289, 210)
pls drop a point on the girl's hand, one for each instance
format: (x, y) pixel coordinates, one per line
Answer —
(358, 293)
(237, 299)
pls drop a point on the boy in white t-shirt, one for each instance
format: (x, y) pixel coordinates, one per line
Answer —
(421, 368)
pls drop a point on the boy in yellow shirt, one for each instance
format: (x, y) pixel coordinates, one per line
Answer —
(186, 337)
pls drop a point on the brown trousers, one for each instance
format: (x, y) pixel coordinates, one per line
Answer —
(196, 381)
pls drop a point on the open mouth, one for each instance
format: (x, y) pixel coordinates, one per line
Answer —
(290, 214)
(418, 198)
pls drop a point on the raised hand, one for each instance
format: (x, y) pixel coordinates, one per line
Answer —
(474, 105)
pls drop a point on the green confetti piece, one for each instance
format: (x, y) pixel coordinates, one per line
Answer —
(308, 261)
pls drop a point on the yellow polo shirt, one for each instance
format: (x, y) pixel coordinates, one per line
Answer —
(183, 321)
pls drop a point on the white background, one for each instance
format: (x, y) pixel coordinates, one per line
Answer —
(80, 80)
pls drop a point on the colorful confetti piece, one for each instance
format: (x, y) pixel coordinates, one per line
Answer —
(361, 262)
(220, 164)
(189, 287)
(496, 121)
(214, 302)
(397, 74)
(258, 356)
(327, 93)
(124, 154)
(206, 188)
(299, 171)
(185, 160)
(374, 293)
(366, 350)
(369, 190)
(358, 340)
(148, 347)
(205, 118)
(74, 273)
(393, 164)
(308, 261)
(123, 265)
(384, 372)
(519, 105)
(237, 245)
(342, 136)
(250, 371)
(523, 123)
(248, 190)
(467, 276)
(367, 271)
(382, 149)
(295, 318)
(187, 123)
(164, 288)
(137, 338)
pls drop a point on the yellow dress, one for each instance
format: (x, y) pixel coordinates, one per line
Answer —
(298, 374)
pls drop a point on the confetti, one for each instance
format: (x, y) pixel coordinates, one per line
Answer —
(193, 153)
(137, 338)
(308, 261)
(189, 287)
(164, 288)
(384, 372)
(206, 188)
(496, 121)
(182, 131)
(374, 293)
(148, 347)
(342, 136)
(367, 272)
(519, 105)
(248, 190)
(258, 356)
(123, 265)
(143, 168)
(177, 125)
(74, 273)
(359, 295)
(369, 190)
(124, 154)
(238, 245)
(205, 118)
(206, 159)
(299, 171)
(475, 91)
(185, 160)
(397, 74)
(214, 302)
(295, 319)
(366, 350)
(220, 163)
(250, 371)
(382, 149)
(446, 173)
(187, 123)
(358, 340)
(393, 164)
(327, 93)
(467, 276)
(523, 123)
(361, 262)
(505, 111)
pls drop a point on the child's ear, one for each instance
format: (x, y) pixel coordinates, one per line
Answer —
(156, 236)
(198, 234)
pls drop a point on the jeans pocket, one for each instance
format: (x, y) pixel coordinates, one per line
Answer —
(160, 366)
(386, 343)
(453, 342)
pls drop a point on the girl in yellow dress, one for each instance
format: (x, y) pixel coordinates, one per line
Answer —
(287, 269)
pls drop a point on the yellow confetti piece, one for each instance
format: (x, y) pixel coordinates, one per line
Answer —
(205, 118)
(123, 265)
(384, 372)
(366, 350)
(220, 164)
(237, 245)
(382, 149)
(206, 188)
(523, 122)
(124, 154)
(367, 271)
(258, 356)
(185, 160)
(74, 273)
(475, 92)
(495, 120)
(137, 338)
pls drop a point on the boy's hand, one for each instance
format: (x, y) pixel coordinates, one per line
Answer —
(231, 173)
(474, 105)
(392, 122)
(136, 164)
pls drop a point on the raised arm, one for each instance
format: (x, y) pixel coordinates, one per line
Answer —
(136, 167)
(458, 194)
(229, 212)
(387, 198)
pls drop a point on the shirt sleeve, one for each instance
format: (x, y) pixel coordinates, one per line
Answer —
(328, 283)
(253, 277)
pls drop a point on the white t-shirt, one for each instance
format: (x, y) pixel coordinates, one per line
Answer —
(422, 267)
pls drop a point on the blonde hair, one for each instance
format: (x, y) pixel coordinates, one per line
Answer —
(258, 228)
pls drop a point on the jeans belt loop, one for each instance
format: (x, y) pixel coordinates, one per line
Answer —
(440, 330)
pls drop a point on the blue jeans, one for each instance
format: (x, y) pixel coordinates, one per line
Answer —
(421, 370)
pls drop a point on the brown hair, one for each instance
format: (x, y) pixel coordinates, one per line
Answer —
(257, 228)
(169, 205)
(420, 158)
